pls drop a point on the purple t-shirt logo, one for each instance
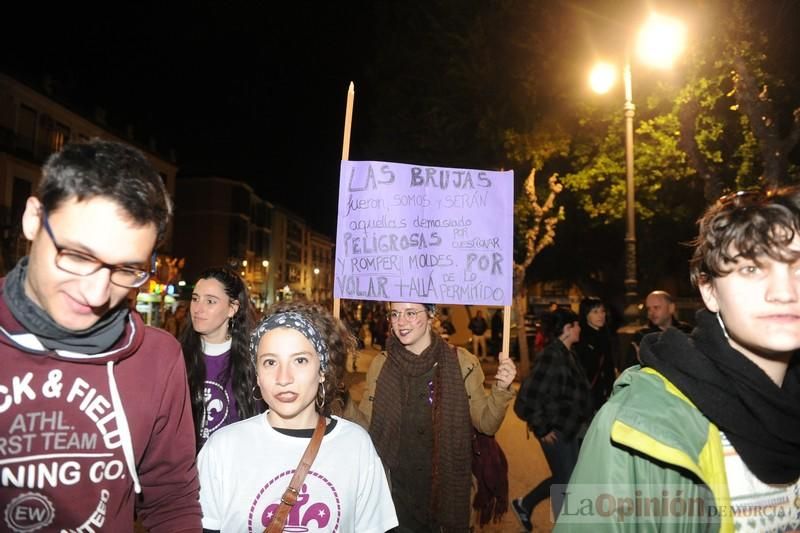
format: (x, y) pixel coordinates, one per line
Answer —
(220, 409)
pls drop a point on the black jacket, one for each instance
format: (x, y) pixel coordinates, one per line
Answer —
(596, 354)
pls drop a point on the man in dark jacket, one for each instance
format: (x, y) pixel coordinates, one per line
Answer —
(660, 307)
(478, 327)
(94, 408)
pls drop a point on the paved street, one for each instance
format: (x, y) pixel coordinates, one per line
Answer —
(526, 464)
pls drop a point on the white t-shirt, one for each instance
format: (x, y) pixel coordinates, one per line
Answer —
(245, 468)
(758, 507)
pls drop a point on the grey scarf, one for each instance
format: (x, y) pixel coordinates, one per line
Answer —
(96, 339)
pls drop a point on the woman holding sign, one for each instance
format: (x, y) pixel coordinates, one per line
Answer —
(423, 399)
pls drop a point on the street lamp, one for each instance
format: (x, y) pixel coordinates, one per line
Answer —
(660, 40)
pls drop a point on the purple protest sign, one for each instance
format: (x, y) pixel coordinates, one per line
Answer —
(424, 234)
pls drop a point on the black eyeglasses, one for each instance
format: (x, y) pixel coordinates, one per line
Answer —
(81, 264)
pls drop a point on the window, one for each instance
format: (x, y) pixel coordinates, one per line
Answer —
(241, 201)
(294, 231)
(294, 274)
(293, 253)
(59, 136)
(20, 193)
(26, 128)
(237, 237)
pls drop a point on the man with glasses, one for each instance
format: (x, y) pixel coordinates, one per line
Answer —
(95, 420)
(706, 436)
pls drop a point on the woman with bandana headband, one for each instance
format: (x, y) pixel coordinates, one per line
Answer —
(298, 351)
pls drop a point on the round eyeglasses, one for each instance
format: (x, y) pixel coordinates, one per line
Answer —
(409, 314)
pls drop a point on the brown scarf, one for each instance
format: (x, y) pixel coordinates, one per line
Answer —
(452, 426)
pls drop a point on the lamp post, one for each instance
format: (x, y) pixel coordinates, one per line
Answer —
(631, 285)
(660, 41)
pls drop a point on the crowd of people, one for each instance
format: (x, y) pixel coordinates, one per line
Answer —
(245, 424)
(204, 432)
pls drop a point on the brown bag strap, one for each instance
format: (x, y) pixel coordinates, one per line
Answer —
(289, 497)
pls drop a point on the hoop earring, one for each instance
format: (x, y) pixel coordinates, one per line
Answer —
(258, 397)
(320, 399)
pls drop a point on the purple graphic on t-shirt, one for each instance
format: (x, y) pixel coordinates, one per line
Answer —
(318, 507)
(217, 401)
(220, 409)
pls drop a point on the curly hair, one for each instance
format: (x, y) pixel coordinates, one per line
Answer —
(340, 344)
(238, 371)
(748, 224)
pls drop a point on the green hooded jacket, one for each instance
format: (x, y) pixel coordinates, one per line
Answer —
(650, 462)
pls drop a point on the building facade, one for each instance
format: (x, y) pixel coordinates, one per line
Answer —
(321, 267)
(33, 125)
(219, 221)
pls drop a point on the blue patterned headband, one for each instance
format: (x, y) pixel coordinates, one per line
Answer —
(294, 321)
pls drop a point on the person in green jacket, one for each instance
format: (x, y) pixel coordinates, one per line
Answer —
(705, 435)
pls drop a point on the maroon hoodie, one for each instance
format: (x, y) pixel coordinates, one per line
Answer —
(80, 435)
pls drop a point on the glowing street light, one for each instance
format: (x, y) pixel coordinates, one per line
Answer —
(659, 42)
(602, 77)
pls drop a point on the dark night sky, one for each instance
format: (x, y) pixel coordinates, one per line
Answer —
(244, 90)
(247, 89)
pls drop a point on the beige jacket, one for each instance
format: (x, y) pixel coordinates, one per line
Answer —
(487, 411)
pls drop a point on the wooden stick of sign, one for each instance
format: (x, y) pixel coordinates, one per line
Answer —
(507, 330)
(348, 120)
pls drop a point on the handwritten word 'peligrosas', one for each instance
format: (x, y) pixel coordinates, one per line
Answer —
(359, 244)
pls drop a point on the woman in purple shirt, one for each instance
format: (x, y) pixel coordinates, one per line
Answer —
(221, 376)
